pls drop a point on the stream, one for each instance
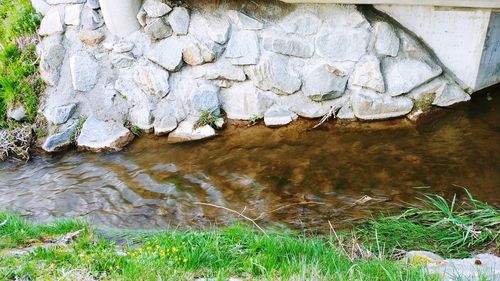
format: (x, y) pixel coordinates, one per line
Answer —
(292, 176)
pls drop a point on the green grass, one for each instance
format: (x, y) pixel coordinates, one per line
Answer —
(447, 227)
(19, 80)
(207, 118)
(241, 251)
(237, 251)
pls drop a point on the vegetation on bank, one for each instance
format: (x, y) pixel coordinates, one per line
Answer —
(19, 79)
(244, 252)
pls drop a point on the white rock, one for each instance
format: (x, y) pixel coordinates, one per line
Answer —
(307, 108)
(223, 69)
(91, 37)
(206, 99)
(152, 79)
(123, 47)
(213, 27)
(40, 6)
(369, 105)
(346, 113)
(56, 2)
(157, 29)
(93, 4)
(274, 73)
(166, 117)
(197, 53)
(141, 116)
(52, 23)
(98, 135)
(168, 54)
(91, 19)
(279, 116)
(84, 70)
(60, 114)
(72, 14)
(342, 43)
(386, 42)
(155, 8)
(243, 48)
(51, 61)
(325, 82)
(243, 21)
(403, 75)
(469, 269)
(289, 46)
(367, 74)
(243, 101)
(187, 131)
(122, 60)
(17, 112)
(179, 20)
(142, 17)
(450, 94)
(301, 24)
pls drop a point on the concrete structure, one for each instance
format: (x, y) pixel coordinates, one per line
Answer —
(464, 34)
(121, 16)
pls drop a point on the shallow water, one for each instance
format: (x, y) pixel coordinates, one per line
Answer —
(291, 176)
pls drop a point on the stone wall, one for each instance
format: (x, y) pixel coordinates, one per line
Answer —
(246, 61)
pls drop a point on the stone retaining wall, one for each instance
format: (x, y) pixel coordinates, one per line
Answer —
(307, 61)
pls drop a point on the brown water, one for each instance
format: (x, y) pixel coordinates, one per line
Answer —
(296, 176)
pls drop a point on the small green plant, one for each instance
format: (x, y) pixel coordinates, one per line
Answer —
(41, 132)
(254, 120)
(207, 118)
(76, 132)
(136, 131)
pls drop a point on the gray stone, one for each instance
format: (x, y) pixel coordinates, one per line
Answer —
(188, 131)
(157, 29)
(243, 21)
(93, 4)
(179, 20)
(91, 37)
(52, 23)
(243, 101)
(206, 99)
(369, 105)
(289, 46)
(213, 27)
(305, 107)
(84, 70)
(342, 43)
(141, 116)
(387, 41)
(56, 2)
(72, 14)
(367, 74)
(168, 54)
(222, 69)
(51, 61)
(62, 139)
(142, 17)
(166, 118)
(325, 82)
(403, 75)
(60, 114)
(301, 24)
(17, 112)
(197, 53)
(152, 79)
(122, 60)
(91, 19)
(40, 6)
(155, 8)
(480, 267)
(243, 48)
(274, 73)
(98, 135)
(123, 47)
(278, 116)
(450, 94)
(346, 113)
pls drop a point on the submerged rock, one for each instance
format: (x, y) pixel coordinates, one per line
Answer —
(98, 135)
(61, 140)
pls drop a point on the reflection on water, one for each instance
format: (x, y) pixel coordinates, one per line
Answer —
(294, 175)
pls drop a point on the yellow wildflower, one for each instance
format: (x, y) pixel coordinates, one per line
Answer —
(185, 260)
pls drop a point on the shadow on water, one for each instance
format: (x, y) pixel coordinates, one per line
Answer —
(296, 176)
